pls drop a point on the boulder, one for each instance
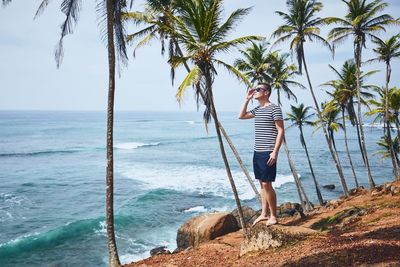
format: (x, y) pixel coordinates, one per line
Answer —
(289, 209)
(387, 187)
(159, 250)
(262, 237)
(329, 186)
(357, 191)
(394, 190)
(205, 227)
(248, 213)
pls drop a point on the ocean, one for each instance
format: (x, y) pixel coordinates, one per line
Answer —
(167, 170)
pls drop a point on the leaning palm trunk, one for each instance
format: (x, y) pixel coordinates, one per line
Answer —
(226, 136)
(388, 126)
(359, 140)
(300, 189)
(353, 114)
(113, 259)
(207, 76)
(357, 55)
(244, 169)
(347, 149)
(303, 142)
(328, 140)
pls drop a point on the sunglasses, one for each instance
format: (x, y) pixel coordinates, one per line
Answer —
(259, 89)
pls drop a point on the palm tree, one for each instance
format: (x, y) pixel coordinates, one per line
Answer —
(344, 91)
(363, 21)
(346, 81)
(199, 29)
(332, 123)
(301, 23)
(299, 117)
(386, 51)
(157, 18)
(386, 151)
(110, 12)
(255, 62)
(380, 113)
(261, 65)
(394, 105)
(282, 76)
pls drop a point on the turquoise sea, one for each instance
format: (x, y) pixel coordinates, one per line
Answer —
(167, 169)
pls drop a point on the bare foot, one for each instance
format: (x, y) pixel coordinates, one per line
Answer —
(260, 218)
(272, 221)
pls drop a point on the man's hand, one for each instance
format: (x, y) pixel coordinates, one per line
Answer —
(250, 94)
(272, 159)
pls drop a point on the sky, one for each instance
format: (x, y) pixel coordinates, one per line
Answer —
(30, 79)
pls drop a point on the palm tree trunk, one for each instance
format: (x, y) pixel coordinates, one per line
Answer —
(359, 141)
(113, 259)
(244, 169)
(357, 55)
(347, 149)
(306, 204)
(333, 154)
(226, 136)
(319, 195)
(387, 123)
(396, 118)
(353, 115)
(207, 76)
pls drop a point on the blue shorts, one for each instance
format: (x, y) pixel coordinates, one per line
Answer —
(262, 171)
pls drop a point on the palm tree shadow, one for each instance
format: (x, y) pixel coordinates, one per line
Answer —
(359, 252)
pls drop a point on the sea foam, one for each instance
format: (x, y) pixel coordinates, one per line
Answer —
(134, 145)
(196, 179)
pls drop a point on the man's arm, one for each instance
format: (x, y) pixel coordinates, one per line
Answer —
(244, 114)
(279, 139)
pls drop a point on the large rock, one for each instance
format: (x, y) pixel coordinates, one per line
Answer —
(159, 250)
(205, 227)
(329, 186)
(289, 209)
(249, 215)
(263, 237)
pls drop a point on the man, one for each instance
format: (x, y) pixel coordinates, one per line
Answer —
(269, 132)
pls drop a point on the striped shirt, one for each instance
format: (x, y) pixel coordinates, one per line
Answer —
(265, 129)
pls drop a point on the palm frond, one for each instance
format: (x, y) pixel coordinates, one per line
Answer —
(192, 78)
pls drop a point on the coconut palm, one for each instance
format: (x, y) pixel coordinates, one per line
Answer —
(157, 19)
(363, 21)
(386, 150)
(332, 121)
(394, 106)
(386, 51)
(346, 81)
(200, 30)
(255, 62)
(300, 116)
(110, 13)
(343, 94)
(380, 112)
(301, 23)
(261, 65)
(282, 76)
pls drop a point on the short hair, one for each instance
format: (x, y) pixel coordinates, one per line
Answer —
(266, 86)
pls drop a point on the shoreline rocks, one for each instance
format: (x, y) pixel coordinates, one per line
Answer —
(205, 227)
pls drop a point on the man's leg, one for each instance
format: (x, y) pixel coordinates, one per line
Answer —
(264, 206)
(271, 198)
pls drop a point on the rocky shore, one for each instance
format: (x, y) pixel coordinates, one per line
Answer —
(361, 230)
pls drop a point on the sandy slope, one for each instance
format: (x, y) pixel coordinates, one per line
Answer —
(372, 239)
